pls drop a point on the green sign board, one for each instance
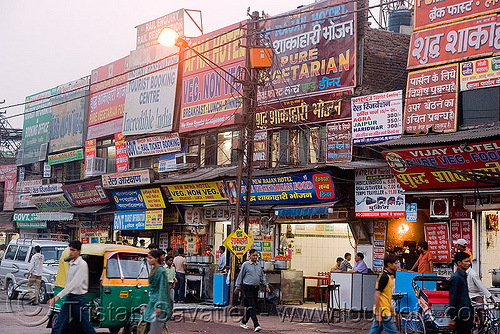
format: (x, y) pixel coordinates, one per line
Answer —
(32, 224)
(61, 158)
(50, 202)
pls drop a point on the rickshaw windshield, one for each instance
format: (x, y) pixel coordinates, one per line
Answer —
(123, 265)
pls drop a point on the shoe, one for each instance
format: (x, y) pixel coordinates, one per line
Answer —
(257, 329)
(244, 326)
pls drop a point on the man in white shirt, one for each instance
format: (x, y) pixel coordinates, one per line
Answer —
(477, 291)
(35, 275)
(77, 285)
(222, 258)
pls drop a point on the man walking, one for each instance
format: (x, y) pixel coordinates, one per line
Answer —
(180, 265)
(35, 275)
(77, 285)
(345, 265)
(382, 310)
(249, 279)
(460, 309)
(170, 270)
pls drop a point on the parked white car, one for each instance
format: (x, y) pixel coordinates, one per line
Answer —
(16, 262)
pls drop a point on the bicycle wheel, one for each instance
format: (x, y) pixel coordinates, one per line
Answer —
(492, 327)
(414, 323)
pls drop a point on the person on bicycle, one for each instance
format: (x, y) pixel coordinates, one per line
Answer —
(477, 292)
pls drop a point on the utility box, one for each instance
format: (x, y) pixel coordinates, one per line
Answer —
(261, 57)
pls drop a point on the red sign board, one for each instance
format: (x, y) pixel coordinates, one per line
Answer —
(438, 238)
(86, 193)
(430, 13)
(338, 141)
(121, 153)
(457, 41)
(431, 100)
(444, 166)
(461, 229)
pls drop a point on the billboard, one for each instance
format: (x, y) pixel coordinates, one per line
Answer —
(210, 98)
(480, 73)
(315, 49)
(8, 175)
(147, 33)
(339, 141)
(196, 192)
(69, 109)
(138, 220)
(154, 145)
(138, 199)
(108, 86)
(86, 193)
(150, 97)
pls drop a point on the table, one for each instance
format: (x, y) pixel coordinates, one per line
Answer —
(316, 277)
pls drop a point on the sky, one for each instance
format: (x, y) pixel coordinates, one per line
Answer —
(51, 42)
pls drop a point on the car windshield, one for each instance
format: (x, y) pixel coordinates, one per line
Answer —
(52, 254)
(132, 266)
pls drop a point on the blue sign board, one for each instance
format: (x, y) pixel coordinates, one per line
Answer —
(286, 189)
(411, 212)
(138, 220)
(129, 200)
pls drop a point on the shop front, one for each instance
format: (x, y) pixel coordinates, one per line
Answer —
(43, 225)
(59, 227)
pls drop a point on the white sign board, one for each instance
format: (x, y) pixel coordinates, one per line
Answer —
(154, 145)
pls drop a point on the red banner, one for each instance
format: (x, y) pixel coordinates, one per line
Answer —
(457, 41)
(431, 100)
(430, 13)
(121, 153)
(461, 229)
(445, 166)
(86, 193)
(90, 152)
(339, 141)
(438, 238)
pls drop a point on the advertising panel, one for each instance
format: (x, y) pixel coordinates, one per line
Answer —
(86, 193)
(377, 118)
(90, 152)
(149, 102)
(154, 145)
(8, 175)
(93, 231)
(445, 166)
(167, 163)
(378, 194)
(138, 199)
(457, 41)
(42, 216)
(196, 192)
(260, 149)
(431, 100)
(69, 156)
(36, 127)
(317, 56)
(211, 98)
(23, 193)
(46, 189)
(303, 110)
(108, 87)
(105, 129)
(438, 238)
(480, 73)
(69, 109)
(130, 178)
(287, 189)
(238, 243)
(50, 202)
(339, 141)
(461, 229)
(431, 13)
(121, 153)
(379, 234)
(138, 220)
(147, 33)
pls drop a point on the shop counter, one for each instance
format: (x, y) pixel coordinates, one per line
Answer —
(356, 290)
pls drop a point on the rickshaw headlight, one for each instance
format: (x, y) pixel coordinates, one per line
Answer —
(52, 278)
(138, 285)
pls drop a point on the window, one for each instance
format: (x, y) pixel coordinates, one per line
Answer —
(127, 266)
(11, 252)
(209, 145)
(290, 147)
(224, 145)
(74, 170)
(480, 106)
(105, 148)
(146, 162)
(317, 144)
(22, 252)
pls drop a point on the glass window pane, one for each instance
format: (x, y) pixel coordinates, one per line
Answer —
(111, 163)
(480, 106)
(22, 252)
(224, 148)
(11, 252)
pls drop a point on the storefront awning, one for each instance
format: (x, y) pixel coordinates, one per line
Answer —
(309, 210)
(87, 209)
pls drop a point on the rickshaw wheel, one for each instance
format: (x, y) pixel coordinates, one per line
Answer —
(114, 329)
(414, 323)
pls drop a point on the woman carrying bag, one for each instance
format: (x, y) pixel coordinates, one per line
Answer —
(156, 314)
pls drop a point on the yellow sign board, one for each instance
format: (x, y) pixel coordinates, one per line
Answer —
(238, 243)
(154, 219)
(196, 192)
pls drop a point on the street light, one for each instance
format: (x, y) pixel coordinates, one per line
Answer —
(168, 37)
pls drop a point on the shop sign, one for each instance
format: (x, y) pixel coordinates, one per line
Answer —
(431, 100)
(90, 152)
(238, 243)
(411, 213)
(287, 189)
(121, 153)
(8, 175)
(147, 33)
(303, 110)
(461, 229)
(23, 193)
(62, 158)
(338, 141)
(138, 199)
(318, 55)
(480, 73)
(108, 88)
(42, 216)
(219, 214)
(196, 192)
(68, 115)
(167, 163)
(138, 220)
(431, 13)
(379, 235)
(47, 170)
(377, 118)
(378, 194)
(31, 224)
(90, 230)
(86, 193)
(154, 145)
(260, 149)
(208, 99)
(105, 129)
(36, 129)
(452, 42)
(50, 202)
(131, 178)
(438, 238)
(445, 166)
(46, 189)
(171, 217)
(23, 201)
(151, 87)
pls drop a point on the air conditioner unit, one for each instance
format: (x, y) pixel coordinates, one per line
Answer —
(187, 160)
(95, 166)
(440, 208)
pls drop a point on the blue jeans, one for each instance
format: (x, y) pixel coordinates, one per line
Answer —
(73, 307)
(180, 287)
(387, 325)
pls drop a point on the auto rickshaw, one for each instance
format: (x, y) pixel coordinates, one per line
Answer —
(118, 286)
